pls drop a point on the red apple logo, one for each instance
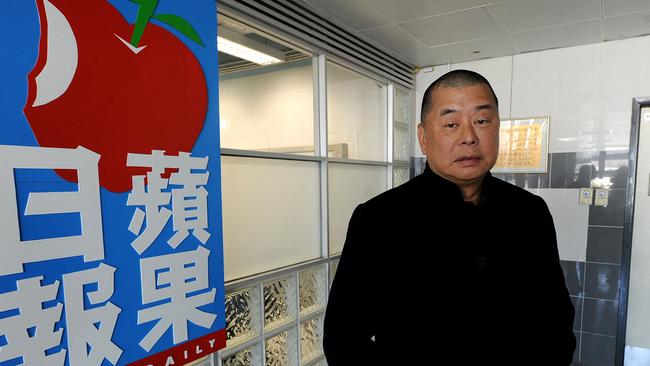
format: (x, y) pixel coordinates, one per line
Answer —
(114, 88)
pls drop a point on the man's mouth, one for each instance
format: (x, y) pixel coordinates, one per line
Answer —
(467, 158)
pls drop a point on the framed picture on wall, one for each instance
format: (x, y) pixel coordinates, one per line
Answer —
(523, 145)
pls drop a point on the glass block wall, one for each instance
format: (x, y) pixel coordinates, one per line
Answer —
(278, 321)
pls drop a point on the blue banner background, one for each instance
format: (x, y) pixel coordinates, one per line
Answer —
(19, 30)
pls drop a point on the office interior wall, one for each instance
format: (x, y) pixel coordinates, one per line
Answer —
(587, 91)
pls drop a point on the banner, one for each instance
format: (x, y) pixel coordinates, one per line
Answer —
(110, 195)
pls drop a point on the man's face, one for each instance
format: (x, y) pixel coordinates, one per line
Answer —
(460, 135)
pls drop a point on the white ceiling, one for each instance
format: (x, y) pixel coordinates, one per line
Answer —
(434, 32)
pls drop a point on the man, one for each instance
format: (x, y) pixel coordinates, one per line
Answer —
(454, 267)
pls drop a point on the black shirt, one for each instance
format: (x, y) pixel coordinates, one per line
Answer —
(426, 277)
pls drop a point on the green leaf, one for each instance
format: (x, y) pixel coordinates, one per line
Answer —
(145, 11)
(180, 25)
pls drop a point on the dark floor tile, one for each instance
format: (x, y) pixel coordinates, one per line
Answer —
(604, 244)
(613, 213)
(577, 320)
(602, 280)
(600, 316)
(574, 276)
(597, 350)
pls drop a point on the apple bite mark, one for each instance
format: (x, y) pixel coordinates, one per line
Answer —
(116, 101)
(55, 73)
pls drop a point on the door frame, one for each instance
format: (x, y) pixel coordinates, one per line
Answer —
(628, 223)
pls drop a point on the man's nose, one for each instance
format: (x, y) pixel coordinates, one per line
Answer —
(467, 134)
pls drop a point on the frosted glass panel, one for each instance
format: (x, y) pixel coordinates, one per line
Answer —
(356, 115)
(268, 109)
(350, 185)
(271, 214)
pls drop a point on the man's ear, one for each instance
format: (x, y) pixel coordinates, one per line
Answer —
(421, 137)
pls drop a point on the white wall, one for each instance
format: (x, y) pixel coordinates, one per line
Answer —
(587, 90)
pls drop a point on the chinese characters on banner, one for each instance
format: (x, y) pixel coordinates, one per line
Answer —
(110, 217)
(174, 287)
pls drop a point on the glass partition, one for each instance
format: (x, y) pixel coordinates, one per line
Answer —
(349, 185)
(356, 115)
(269, 109)
(271, 214)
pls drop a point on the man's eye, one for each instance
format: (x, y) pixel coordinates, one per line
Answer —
(450, 125)
(481, 121)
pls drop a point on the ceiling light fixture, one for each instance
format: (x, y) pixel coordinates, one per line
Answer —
(237, 45)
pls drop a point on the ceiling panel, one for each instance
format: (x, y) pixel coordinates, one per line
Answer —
(394, 38)
(618, 7)
(626, 26)
(432, 32)
(406, 10)
(554, 37)
(466, 51)
(520, 15)
(455, 27)
(356, 14)
(428, 56)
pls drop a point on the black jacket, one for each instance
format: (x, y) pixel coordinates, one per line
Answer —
(426, 277)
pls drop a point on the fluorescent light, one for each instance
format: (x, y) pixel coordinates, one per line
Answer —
(237, 45)
(237, 50)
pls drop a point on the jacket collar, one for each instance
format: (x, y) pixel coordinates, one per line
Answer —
(451, 190)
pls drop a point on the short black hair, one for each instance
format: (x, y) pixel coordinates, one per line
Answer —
(453, 79)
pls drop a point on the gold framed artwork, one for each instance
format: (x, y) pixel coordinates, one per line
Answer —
(523, 145)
